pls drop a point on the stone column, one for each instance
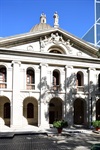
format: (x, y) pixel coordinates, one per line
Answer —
(16, 105)
(9, 75)
(43, 112)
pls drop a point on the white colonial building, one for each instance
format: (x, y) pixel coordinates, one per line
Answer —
(48, 74)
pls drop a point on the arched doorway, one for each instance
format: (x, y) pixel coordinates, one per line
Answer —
(98, 110)
(30, 110)
(79, 111)
(5, 110)
(55, 110)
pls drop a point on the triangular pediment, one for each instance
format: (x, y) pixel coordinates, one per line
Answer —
(53, 40)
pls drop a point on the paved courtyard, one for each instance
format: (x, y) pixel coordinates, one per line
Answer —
(72, 141)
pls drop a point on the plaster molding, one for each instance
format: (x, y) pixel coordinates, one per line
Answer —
(90, 69)
(57, 39)
(43, 64)
(16, 62)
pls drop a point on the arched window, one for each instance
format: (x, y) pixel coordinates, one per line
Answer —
(30, 110)
(79, 78)
(30, 79)
(7, 110)
(55, 51)
(3, 78)
(56, 79)
(80, 81)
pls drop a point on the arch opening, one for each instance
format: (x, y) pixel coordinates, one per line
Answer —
(56, 80)
(55, 110)
(30, 111)
(5, 111)
(79, 112)
(98, 110)
(30, 79)
(3, 77)
(80, 81)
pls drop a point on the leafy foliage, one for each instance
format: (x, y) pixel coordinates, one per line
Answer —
(96, 147)
(60, 124)
(96, 123)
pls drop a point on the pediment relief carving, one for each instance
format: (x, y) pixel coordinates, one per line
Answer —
(30, 48)
(56, 39)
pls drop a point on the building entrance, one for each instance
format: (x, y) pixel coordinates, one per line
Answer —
(98, 110)
(55, 110)
(79, 112)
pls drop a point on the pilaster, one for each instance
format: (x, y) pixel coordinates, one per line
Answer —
(68, 94)
(43, 122)
(16, 106)
(91, 94)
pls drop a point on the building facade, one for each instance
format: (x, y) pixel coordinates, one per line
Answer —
(48, 74)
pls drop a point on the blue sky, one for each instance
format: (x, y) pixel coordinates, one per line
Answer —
(19, 16)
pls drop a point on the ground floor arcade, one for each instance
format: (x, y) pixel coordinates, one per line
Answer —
(37, 114)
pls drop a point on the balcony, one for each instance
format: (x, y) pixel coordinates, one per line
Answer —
(30, 86)
(80, 88)
(3, 85)
(56, 87)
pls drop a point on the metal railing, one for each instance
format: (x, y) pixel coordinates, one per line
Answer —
(3, 85)
(56, 87)
(30, 86)
(80, 88)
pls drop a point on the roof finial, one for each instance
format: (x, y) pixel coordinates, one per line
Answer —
(43, 18)
(56, 20)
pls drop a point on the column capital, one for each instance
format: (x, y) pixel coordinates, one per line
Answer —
(43, 64)
(90, 68)
(16, 62)
(66, 67)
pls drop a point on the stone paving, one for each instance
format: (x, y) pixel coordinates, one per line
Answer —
(64, 141)
(33, 138)
(28, 142)
(77, 141)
